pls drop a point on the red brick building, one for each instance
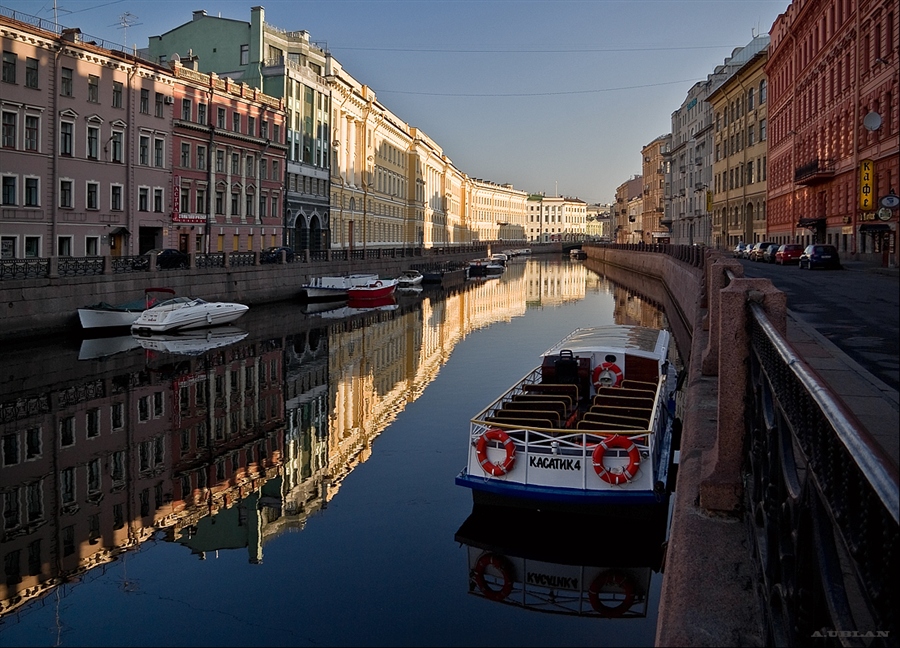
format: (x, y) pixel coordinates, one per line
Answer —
(833, 126)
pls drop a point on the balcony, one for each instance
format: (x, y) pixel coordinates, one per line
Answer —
(814, 172)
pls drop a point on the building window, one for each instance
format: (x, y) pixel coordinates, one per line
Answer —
(158, 153)
(186, 109)
(92, 420)
(159, 103)
(31, 193)
(65, 88)
(220, 161)
(143, 199)
(9, 67)
(235, 164)
(220, 202)
(9, 190)
(32, 126)
(245, 54)
(763, 87)
(144, 150)
(65, 193)
(762, 130)
(235, 204)
(249, 205)
(263, 129)
(251, 125)
(185, 155)
(31, 73)
(185, 198)
(117, 94)
(262, 206)
(116, 143)
(93, 95)
(65, 138)
(201, 201)
(263, 170)
(93, 142)
(220, 118)
(158, 200)
(115, 198)
(93, 195)
(145, 101)
(201, 158)
(201, 113)
(9, 130)
(236, 122)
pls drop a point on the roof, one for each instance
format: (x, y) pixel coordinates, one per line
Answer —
(631, 339)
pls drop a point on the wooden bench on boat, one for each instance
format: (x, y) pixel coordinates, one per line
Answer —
(624, 419)
(533, 397)
(618, 428)
(636, 411)
(512, 422)
(612, 400)
(541, 406)
(553, 388)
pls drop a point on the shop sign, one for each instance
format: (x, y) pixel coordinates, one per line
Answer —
(866, 185)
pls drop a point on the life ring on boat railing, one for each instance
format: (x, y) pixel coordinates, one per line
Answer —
(618, 579)
(608, 374)
(491, 468)
(628, 472)
(500, 564)
(377, 284)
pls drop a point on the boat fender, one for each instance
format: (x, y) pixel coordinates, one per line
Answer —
(491, 468)
(618, 579)
(500, 564)
(608, 374)
(614, 476)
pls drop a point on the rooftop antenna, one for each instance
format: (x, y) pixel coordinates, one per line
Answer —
(127, 20)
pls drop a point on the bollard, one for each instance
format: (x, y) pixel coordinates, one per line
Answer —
(717, 279)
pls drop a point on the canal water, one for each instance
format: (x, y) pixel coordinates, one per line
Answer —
(291, 482)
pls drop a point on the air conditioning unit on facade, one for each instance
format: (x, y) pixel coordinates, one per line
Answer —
(169, 100)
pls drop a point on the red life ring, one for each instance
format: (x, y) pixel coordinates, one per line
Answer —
(607, 374)
(377, 284)
(495, 434)
(628, 472)
(619, 579)
(499, 563)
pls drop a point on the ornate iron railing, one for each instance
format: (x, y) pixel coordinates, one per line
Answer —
(24, 268)
(213, 260)
(242, 259)
(79, 266)
(823, 505)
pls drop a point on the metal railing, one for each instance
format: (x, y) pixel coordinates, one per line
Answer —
(690, 254)
(822, 501)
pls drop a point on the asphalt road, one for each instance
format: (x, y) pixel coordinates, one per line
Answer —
(857, 309)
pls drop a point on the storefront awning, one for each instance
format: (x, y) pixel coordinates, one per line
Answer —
(811, 223)
(118, 230)
(872, 228)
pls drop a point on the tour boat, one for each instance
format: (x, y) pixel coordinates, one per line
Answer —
(334, 288)
(183, 313)
(105, 315)
(372, 289)
(592, 425)
(557, 563)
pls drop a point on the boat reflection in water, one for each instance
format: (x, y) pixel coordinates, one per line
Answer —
(192, 343)
(582, 565)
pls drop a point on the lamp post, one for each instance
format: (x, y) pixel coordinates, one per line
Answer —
(335, 145)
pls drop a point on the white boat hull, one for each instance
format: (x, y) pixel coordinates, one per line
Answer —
(189, 315)
(92, 318)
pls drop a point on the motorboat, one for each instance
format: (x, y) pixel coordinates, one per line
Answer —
(485, 267)
(104, 315)
(181, 313)
(557, 563)
(193, 342)
(334, 288)
(578, 254)
(373, 289)
(500, 258)
(591, 425)
(409, 279)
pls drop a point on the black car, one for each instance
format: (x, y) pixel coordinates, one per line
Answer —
(166, 259)
(273, 254)
(820, 256)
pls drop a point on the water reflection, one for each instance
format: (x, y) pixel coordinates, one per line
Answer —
(107, 445)
(562, 563)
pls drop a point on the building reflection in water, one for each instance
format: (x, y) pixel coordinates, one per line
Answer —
(226, 449)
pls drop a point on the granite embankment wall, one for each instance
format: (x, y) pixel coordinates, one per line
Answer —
(708, 595)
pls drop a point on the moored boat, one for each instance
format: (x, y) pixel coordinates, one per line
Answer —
(334, 288)
(182, 313)
(105, 315)
(592, 425)
(373, 289)
(409, 279)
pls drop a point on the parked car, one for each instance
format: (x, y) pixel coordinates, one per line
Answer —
(273, 254)
(769, 255)
(788, 253)
(756, 252)
(166, 259)
(738, 251)
(820, 256)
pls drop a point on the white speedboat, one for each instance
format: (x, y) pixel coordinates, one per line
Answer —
(183, 313)
(409, 279)
(334, 288)
(105, 315)
(591, 425)
(193, 342)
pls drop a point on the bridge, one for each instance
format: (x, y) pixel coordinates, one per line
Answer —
(785, 523)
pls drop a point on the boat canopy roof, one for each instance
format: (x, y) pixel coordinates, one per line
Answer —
(636, 340)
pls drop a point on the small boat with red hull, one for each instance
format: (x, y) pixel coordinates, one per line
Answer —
(374, 289)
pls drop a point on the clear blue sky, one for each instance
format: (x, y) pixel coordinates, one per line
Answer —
(552, 96)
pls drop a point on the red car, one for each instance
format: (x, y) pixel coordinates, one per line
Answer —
(788, 253)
